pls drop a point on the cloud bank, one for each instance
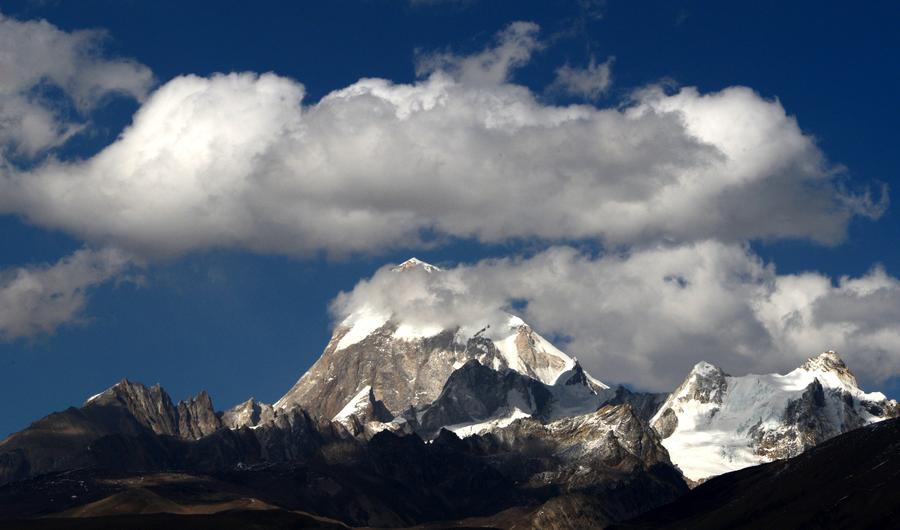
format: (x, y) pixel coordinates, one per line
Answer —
(239, 161)
(38, 299)
(646, 317)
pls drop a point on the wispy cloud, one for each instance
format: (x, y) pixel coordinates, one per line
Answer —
(36, 300)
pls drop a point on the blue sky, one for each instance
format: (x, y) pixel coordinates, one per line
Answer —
(240, 311)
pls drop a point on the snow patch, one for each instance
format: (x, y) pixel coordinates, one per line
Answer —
(356, 405)
(360, 325)
(509, 350)
(412, 332)
(464, 430)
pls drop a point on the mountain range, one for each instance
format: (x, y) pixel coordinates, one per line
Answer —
(400, 424)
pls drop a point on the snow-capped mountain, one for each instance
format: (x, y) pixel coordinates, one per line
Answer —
(408, 365)
(714, 423)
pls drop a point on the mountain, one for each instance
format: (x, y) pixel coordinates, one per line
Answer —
(849, 481)
(407, 365)
(400, 424)
(714, 423)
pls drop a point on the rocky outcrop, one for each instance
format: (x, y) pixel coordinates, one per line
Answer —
(247, 414)
(150, 406)
(197, 418)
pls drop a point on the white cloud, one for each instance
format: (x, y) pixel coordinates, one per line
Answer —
(512, 49)
(238, 161)
(36, 53)
(589, 83)
(38, 300)
(647, 316)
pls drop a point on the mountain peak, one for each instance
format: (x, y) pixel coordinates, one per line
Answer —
(706, 369)
(830, 362)
(415, 263)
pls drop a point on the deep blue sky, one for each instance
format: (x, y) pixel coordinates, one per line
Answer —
(239, 324)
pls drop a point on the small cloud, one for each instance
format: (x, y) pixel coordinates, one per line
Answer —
(39, 299)
(590, 82)
(513, 48)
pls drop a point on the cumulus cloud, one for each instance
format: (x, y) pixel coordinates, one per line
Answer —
(646, 317)
(35, 55)
(589, 83)
(238, 161)
(38, 299)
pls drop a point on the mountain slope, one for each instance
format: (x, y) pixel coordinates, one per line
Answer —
(850, 481)
(714, 423)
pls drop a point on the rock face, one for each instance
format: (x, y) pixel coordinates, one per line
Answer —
(715, 423)
(150, 406)
(476, 396)
(407, 365)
